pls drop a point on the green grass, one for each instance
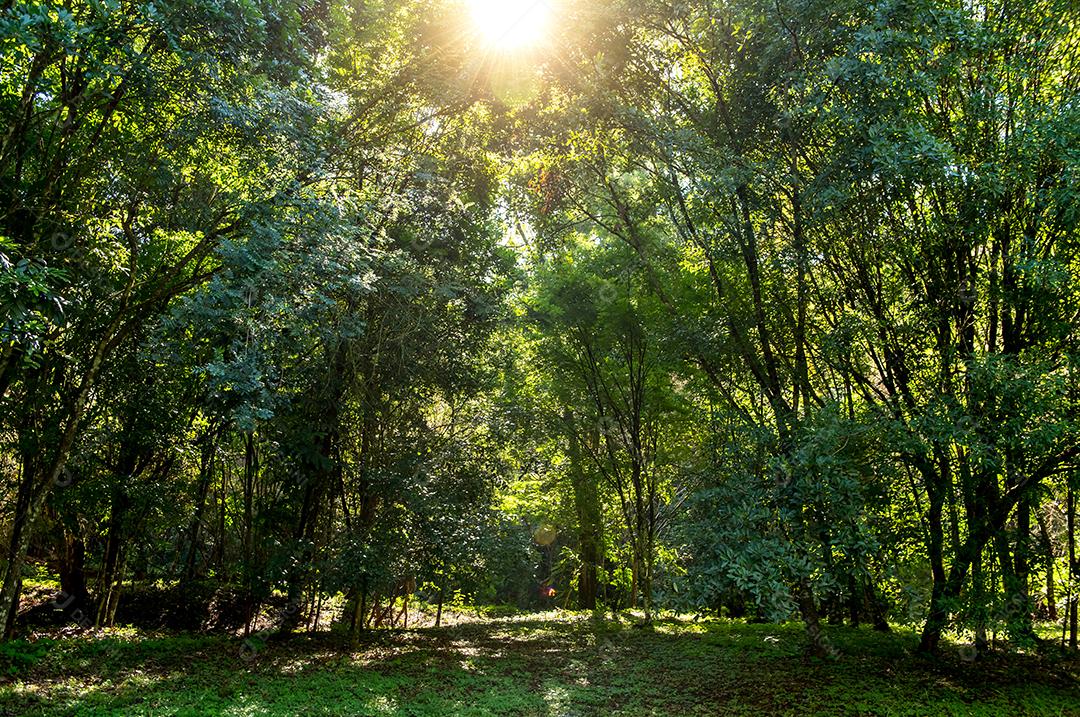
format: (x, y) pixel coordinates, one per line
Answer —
(558, 666)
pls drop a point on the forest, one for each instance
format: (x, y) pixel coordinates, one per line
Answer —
(546, 357)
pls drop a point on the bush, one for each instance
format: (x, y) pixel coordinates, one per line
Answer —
(18, 656)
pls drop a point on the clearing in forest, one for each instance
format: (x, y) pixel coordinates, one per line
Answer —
(548, 664)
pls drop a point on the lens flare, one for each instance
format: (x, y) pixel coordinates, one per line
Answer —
(510, 24)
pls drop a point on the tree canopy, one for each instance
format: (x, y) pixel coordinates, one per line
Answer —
(762, 309)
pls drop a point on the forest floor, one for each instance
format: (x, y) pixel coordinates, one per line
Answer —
(553, 664)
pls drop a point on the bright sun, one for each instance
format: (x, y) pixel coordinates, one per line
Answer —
(510, 24)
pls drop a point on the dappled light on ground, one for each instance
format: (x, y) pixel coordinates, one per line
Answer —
(568, 664)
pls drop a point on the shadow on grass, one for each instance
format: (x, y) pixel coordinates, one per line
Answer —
(516, 666)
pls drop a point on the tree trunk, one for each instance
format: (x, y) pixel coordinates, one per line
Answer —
(948, 591)
(37, 486)
(219, 547)
(314, 491)
(72, 570)
(206, 471)
(646, 582)
(356, 625)
(1017, 609)
(248, 557)
(1021, 601)
(1048, 551)
(1070, 510)
(938, 615)
(114, 593)
(18, 544)
(878, 608)
(804, 597)
(587, 507)
(855, 598)
(982, 645)
(110, 563)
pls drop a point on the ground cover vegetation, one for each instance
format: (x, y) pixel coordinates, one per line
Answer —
(751, 323)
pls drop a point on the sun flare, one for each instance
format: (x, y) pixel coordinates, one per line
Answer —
(510, 24)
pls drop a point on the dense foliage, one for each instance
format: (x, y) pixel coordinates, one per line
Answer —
(768, 309)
